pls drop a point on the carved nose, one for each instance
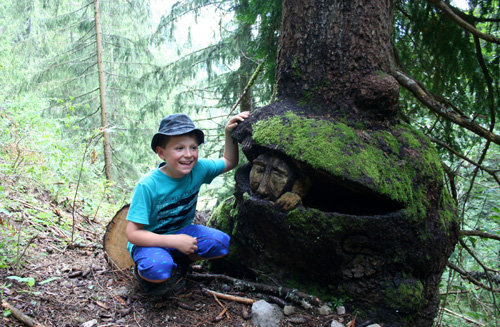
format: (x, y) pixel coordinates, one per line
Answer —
(262, 190)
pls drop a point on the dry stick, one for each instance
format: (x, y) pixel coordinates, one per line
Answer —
(222, 312)
(292, 295)
(234, 298)
(488, 276)
(463, 317)
(28, 321)
(78, 186)
(250, 84)
(223, 307)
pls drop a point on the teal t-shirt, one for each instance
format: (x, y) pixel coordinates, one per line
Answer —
(163, 204)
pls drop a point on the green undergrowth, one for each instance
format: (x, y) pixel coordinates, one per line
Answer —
(50, 181)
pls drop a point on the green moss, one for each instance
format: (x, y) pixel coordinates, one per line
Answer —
(308, 97)
(339, 150)
(447, 210)
(219, 217)
(316, 223)
(370, 158)
(407, 296)
(381, 74)
(296, 68)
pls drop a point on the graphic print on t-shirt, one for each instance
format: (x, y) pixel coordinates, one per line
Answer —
(175, 215)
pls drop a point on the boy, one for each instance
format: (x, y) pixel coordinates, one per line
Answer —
(162, 239)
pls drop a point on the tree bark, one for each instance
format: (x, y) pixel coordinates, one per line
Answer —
(337, 54)
(102, 95)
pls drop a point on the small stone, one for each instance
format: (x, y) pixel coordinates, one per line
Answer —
(341, 310)
(335, 323)
(122, 291)
(324, 310)
(90, 323)
(265, 314)
(373, 325)
(288, 310)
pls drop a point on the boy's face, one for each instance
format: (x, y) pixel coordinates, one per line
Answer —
(180, 154)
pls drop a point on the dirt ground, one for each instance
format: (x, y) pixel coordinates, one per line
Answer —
(53, 285)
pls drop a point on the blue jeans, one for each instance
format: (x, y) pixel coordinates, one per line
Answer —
(155, 263)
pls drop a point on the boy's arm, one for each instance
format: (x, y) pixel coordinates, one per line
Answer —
(137, 235)
(231, 155)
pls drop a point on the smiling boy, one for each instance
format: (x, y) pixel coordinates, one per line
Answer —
(162, 239)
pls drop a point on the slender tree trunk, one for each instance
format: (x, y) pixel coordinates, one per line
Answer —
(102, 93)
(246, 103)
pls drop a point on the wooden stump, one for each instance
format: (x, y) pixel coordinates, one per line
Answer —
(115, 241)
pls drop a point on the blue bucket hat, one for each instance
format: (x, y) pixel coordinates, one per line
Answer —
(176, 124)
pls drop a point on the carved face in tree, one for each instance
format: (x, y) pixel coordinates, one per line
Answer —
(375, 219)
(270, 176)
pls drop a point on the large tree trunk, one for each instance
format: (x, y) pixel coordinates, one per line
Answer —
(340, 196)
(337, 56)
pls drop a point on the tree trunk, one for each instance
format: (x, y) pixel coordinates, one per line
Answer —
(339, 195)
(337, 56)
(102, 95)
(246, 103)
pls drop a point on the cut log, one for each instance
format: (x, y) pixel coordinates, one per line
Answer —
(115, 241)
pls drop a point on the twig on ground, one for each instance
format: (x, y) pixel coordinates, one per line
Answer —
(234, 298)
(19, 315)
(214, 294)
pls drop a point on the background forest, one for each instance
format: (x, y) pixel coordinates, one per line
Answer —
(84, 85)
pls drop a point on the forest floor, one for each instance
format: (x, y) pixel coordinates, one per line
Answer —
(51, 284)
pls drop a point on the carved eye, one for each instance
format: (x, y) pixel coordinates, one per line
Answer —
(279, 172)
(259, 168)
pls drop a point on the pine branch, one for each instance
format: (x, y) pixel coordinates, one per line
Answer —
(462, 23)
(427, 99)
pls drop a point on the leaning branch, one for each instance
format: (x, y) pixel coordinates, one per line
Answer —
(249, 85)
(426, 98)
(471, 279)
(465, 25)
(480, 234)
(493, 173)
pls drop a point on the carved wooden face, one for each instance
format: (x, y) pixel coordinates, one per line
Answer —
(270, 176)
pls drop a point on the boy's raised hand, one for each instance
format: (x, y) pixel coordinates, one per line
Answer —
(233, 122)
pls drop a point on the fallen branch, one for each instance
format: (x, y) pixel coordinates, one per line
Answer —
(28, 321)
(242, 285)
(234, 298)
